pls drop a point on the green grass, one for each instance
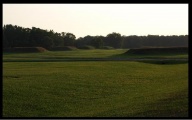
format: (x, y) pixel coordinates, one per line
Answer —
(61, 55)
(93, 89)
(81, 54)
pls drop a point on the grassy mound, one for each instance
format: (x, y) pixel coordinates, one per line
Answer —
(65, 48)
(25, 49)
(162, 50)
(87, 47)
(107, 47)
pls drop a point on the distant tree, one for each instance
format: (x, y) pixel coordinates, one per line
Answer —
(79, 42)
(69, 39)
(132, 41)
(16, 36)
(9, 36)
(57, 39)
(26, 34)
(97, 42)
(87, 40)
(114, 40)
(47, 42)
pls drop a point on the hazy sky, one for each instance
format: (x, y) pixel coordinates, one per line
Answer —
(101, 19)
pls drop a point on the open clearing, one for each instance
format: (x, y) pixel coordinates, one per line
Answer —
(92, 88)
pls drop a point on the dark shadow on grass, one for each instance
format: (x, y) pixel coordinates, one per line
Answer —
(172, 105)
(163, 113)
(165, 62)
(10, 76)
(168, 107)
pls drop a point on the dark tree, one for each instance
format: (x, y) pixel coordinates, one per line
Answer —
(97, 42)
(47, 42)
(114, 40)
(69, 39)
(16, 36)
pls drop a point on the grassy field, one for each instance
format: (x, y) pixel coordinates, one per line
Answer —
(51, 56)
(61, 55)
(92, 89)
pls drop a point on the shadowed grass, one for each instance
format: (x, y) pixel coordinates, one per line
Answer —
(158, 50)
(166, 52)
(165, 62)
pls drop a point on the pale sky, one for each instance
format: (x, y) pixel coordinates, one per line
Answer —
(100, 19)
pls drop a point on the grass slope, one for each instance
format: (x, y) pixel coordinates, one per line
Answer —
(166, 52)
(81, 54)
(159, 50)
(25, 50)
(61, 55)
(94, 89)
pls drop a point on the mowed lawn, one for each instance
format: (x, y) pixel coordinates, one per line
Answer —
(94, 89)
(75, 55)
(61, 55)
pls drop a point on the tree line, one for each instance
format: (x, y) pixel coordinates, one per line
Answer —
(16, 36)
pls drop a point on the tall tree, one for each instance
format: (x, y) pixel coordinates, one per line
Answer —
(97, 42)
(114, 40)
(69, 39)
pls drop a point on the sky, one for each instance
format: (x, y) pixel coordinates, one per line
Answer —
(100, 19)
